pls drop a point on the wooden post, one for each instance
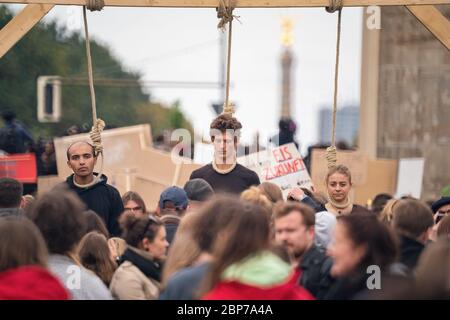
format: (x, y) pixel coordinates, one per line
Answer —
(21, 24)
(177, 173)
(434, 21)
(368, 112)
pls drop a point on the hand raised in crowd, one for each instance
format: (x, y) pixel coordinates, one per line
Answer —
(296, 194)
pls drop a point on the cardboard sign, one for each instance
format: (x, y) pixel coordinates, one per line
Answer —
(356, 161)
(283, 166)
(410, 177)
(21, 167)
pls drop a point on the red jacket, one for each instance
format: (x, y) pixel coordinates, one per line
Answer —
(30, 283)
(233, 290)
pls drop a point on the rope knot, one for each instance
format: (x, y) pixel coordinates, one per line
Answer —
(95, 5)
(335, 5)
(96, 137)
(228, 109)
(331, 156)
(225, 14)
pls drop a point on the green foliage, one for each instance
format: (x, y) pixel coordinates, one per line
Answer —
(446, 191)
(48, 50)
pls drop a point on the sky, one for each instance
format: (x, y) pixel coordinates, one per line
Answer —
(171, 44)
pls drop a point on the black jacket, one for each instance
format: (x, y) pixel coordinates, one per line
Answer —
(410, 251)
(150, 268)
(171, 222)
(315, 272)
(348, 288)
(104, 199)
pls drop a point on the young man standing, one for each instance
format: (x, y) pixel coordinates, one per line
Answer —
(224, 174)
(98, 196)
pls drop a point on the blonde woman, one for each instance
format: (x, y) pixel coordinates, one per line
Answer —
(339, 185)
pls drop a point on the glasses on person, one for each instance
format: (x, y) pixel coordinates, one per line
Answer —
(441, 214)
(133, 209)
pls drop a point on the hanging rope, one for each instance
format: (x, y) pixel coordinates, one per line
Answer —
(97, 124)
(331, 155)
(95, 5)
(225, 13)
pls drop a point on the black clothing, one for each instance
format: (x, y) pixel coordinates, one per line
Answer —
(171, 222)
(102, 198)
(14, 138)
(347, 288)
(410, 251)
(236, 181)
(150, 268)
(315, 269)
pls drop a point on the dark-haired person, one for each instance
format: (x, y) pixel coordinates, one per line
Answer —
(59, 216)
(10, 198)
(441, 210)
(14, 137)
(360, 241)
(224, 174)
(412, 220)
(139, 274)
(24, 262)
(295, 230)
(379, 201)
(172, 205)
(95, 223)
(198, 192)
(443, 230)
(98, 196)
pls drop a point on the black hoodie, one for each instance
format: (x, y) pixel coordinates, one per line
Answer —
(102, 198)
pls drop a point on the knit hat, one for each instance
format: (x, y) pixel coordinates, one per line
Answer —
(198, 190)
(440, 203)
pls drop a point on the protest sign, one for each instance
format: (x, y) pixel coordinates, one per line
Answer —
(21, 167)
(282, 165)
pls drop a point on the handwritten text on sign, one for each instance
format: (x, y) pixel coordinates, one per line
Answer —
(282, 165)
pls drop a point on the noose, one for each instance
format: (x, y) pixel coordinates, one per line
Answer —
(97, 124)
(225, 13)
(331, 154)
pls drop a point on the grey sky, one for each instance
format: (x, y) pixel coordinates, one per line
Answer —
(151, 41)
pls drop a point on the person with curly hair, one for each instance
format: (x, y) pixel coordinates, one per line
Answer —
(224, 174)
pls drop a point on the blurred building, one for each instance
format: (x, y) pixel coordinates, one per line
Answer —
(405, 95)
(347, 124)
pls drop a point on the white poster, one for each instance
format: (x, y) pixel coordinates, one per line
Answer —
(409, 178)
(283, 166)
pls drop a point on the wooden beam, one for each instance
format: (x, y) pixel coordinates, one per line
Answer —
(21, 24)
(368, 110)
(237, 3)
(434, 21)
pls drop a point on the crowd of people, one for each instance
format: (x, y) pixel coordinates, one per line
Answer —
(224, 235)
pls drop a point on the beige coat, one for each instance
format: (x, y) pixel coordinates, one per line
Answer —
(129, 283)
